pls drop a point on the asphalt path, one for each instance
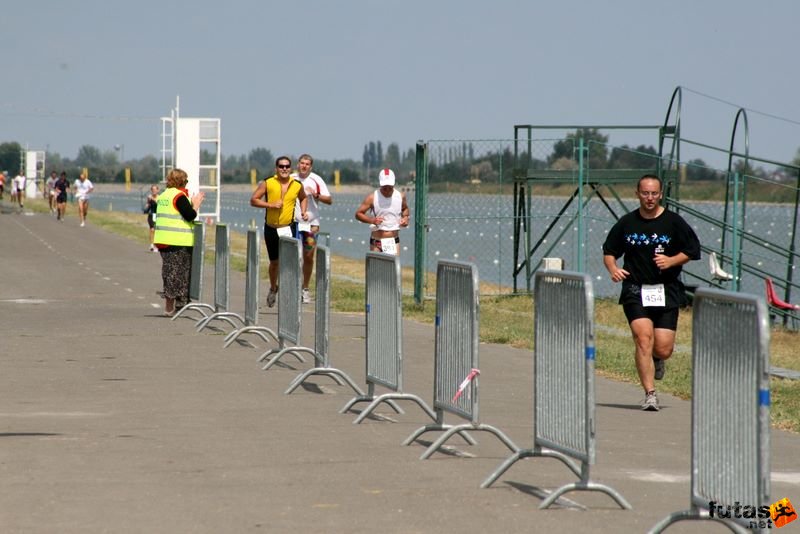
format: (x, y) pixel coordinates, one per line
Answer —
(114, 418)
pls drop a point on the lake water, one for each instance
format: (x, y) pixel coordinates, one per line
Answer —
(480, 228)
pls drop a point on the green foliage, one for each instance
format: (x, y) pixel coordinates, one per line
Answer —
(697, 170)
(89, 156)
(373, 155)
(262, 160)
(642, 157)
(392, 158)
(592, 139)
(10, 154)
(454, 163)
(459, 164)
(747, 169)
(349, 170)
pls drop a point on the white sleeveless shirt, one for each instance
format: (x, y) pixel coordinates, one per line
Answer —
(391, 209)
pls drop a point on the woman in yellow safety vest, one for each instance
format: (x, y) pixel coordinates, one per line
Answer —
(174, 238)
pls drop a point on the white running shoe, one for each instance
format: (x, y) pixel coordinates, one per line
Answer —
(83, 224)
(306, 296)
(650, 403)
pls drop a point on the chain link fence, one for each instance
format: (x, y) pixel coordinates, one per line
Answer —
(508, 205)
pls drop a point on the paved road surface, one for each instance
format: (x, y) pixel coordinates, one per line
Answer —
(116, 419)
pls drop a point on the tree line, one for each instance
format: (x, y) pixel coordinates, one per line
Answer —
(457, 162)
(454, 162)
(105, 165)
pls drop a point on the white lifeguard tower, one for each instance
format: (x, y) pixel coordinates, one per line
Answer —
(193, 144)
(33, 163)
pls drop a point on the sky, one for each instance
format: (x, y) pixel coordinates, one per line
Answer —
(327, 77)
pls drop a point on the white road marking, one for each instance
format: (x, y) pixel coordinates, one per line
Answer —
(786, 477)
(652, 476)
(53, 414)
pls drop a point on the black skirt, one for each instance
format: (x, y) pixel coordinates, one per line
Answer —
(176, 268)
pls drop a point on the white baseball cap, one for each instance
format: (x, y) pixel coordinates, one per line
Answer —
(386, 177)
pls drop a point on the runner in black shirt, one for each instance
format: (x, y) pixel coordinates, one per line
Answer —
(655, 244)
(62, 188)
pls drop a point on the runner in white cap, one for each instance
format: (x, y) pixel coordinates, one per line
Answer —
(386, 211)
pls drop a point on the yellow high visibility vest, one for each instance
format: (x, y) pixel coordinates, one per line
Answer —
(171, 227)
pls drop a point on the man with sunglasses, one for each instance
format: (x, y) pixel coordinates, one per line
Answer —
(656, 243)
(278, 195)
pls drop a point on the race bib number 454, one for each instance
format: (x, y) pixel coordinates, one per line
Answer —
(653, 295)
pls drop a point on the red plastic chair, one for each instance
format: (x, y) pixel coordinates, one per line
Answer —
(783, 308)
(774, 301)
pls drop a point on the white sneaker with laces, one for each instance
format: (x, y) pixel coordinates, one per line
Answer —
(650, 403)
(83, 224)
(306, 296)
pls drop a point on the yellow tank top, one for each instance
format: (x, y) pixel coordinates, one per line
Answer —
(285, 215)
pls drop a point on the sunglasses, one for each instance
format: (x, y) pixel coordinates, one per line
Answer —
(284, 166)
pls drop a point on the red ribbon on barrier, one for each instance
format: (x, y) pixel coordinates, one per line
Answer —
(470, 377)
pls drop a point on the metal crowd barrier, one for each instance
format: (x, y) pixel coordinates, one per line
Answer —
(290, 285)
(563, 369)
(730, 405)
(322, 329)
(196, 276)
(384, 322)
(222, 262)
(456, 365)
(251, 294)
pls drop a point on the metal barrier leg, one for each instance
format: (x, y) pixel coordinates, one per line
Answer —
(392, 396)
(193, 306)
(438, 426)
(278, 354)
(529, 453)
(369, 398)
(260, 331)
(336, 374)
(694, 514)
(585, 486)
(436, 445)
(224, 316)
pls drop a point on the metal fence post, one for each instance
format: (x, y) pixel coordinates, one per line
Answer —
(290, 284)
(564, 404)
(456, 366)
(420, 221)
(730, 404)
(322, 329)
(251, 294)
(384, 337)
(222, 263)
(196, 277)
